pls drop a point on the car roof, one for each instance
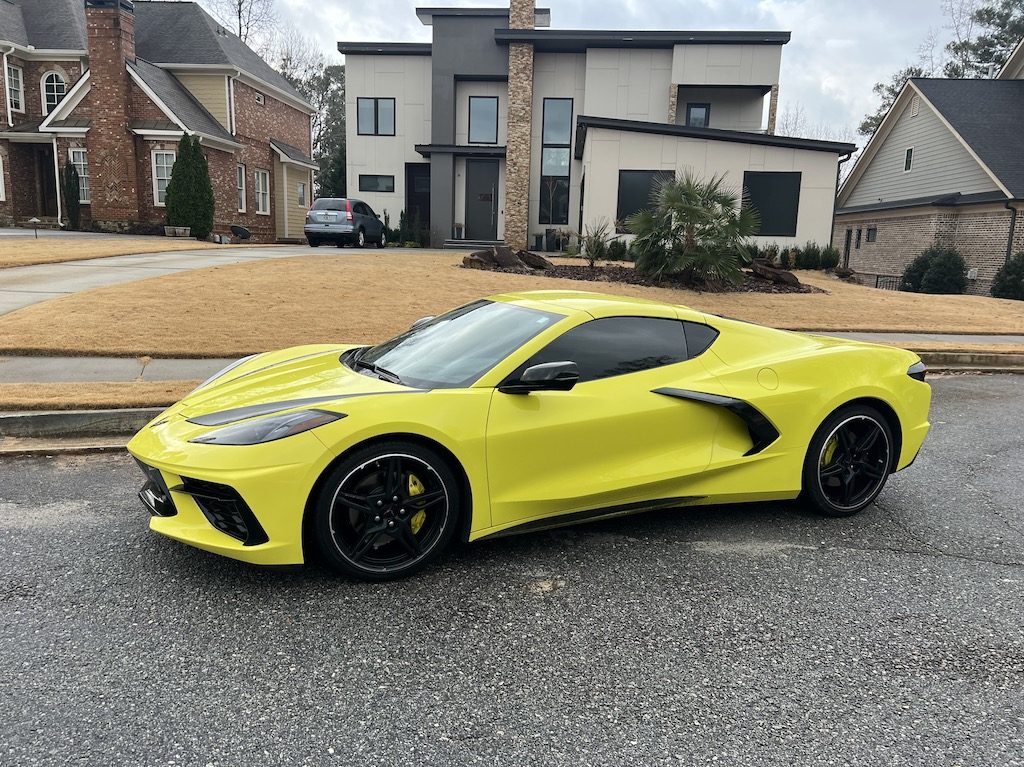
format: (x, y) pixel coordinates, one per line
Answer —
(594, 304)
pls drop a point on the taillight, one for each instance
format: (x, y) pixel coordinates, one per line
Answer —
(917, 370)
(348, 210)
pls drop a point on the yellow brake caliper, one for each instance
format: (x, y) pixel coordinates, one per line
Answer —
(416, 488)
(830, 451)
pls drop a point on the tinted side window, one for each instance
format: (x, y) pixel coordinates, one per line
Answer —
(615, 346)
(698, 338)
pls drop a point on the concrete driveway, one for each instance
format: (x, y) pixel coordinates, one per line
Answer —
(757, 635)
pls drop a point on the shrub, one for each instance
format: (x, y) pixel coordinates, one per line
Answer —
(829, 257)
(202, 220)
(808, 257)
(594, 242)
(770, 253)
(410, 244)
(617, 250)
(571, 252)
(1009, 280)
(181, 189)
(72, 196)
(937, 270)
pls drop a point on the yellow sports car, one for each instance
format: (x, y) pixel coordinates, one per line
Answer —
(519, 412)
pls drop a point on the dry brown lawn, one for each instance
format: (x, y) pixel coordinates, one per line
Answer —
(27, 251)
(365, 297)
(86, 396)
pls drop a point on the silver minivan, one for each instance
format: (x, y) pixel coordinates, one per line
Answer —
(343, 221)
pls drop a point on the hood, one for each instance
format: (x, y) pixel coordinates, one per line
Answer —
(301, 373)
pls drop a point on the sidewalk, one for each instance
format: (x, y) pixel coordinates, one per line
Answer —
(14, 370)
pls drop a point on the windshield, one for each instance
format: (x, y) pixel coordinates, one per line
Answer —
(329, 203)
(455, 349)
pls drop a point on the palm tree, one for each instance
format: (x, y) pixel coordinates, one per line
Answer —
(695, 228)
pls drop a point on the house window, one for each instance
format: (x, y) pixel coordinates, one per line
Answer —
(53, 89)
(776, 198)
(262, 190)
(908, 160)
(483, 119)
(79, 158)
(163, 164)
(375, 117)
(301, 194)
(872, 233)
(556, 138)
(856, 244)
(698, 115)
(240, 183)
(374, 183)
(636, 188)
(15, 88)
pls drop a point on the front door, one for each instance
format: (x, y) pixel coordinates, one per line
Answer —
(46, 183)
(481, 199)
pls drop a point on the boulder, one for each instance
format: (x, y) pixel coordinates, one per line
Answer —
(533, 260)
(474, 261)
(761, 268)
(503, 257)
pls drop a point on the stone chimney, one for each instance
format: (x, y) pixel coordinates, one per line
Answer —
(520, 119)
(110, 27)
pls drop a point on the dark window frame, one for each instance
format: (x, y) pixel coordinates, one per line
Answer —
(779, 225)
(363, 188)
(706, 106)
(376, 115)
(872, 234)
(497, 109)
(620, 219)
(549, 183)
(908, 159)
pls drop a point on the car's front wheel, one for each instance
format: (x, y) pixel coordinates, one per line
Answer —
(383, 241)
(386, 511)
(848, 461)
(361, 239)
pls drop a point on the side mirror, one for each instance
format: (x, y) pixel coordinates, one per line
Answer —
(421, 321)
(548, 376)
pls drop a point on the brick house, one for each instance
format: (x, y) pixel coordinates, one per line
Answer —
(502, 129)
(112, 85)
(944, 167)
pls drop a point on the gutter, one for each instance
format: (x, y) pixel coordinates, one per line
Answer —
(1013, 229)
(10, 116)
(56, 173)
(835, 199)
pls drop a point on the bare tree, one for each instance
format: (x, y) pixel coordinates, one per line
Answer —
(251, 20)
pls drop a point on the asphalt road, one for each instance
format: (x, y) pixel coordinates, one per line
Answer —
(757, 635)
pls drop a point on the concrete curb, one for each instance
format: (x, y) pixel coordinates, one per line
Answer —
(76, 423)
(55, 448)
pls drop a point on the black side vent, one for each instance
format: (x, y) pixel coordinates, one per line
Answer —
(224, 508)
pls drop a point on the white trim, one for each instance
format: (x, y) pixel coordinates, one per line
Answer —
(153, 154)
(1011, 60)
(7, 101)
(45, 54)
(217, 143)
(156, 134)
(244, 188)
(289, 161)
(284, 197)
(71, 101)
(56, 176)
(156, 99)
(21, 82)
(909, 149)
(3, 183)
(231, 105)
(71, 159)
(255, 175)
(251, 80)
(42, 90)
(227, 103)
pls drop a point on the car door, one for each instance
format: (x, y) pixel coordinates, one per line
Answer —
(610, 443)
(374, 226)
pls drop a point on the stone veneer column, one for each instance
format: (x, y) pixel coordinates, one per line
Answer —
(773, 108)
(673, 102)
(520, 122)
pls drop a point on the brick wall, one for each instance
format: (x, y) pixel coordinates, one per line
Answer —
(7, 204)
(272, 119)
(980, 235)
(34, 71)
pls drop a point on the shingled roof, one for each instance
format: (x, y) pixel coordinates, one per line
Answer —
(988, 115)
(177, 99)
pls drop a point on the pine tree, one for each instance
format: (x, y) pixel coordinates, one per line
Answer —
(181, 189)
(203, 205)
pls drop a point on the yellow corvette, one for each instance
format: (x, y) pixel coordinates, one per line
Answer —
(519, 412)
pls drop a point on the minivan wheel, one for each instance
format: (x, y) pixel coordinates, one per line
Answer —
(313, 242)
(383, 241)
(361, 239)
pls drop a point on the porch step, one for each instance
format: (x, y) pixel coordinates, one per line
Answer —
(45, 222)
(470, 244)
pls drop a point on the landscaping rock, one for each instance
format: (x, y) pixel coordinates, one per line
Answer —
(533, 260)
(473, 261)
(761, 268)
(503, 257)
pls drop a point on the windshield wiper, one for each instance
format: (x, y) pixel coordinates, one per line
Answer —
(383, 373)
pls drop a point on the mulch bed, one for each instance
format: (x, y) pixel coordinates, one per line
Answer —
(628, 275)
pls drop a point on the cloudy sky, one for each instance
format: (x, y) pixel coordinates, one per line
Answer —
(839, 47)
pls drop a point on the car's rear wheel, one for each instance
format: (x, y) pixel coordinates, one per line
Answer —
(848, 461)
(313, 242)
(360, 239)
(387, 511)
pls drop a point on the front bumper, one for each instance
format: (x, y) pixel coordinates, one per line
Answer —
(244, 502)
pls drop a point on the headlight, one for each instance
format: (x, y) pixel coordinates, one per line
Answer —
(917, 370)
(270, 428)
(229, 368)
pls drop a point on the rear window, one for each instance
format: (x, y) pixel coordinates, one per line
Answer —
(330, 203)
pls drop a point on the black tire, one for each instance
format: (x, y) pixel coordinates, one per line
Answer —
(383, 241)
(313, 243)
(360, 239)
(363, 531)
(339, 243)
(848, 461)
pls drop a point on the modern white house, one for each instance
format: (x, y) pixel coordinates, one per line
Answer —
(503, 129)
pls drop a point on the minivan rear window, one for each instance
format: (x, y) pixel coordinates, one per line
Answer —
(330, 203)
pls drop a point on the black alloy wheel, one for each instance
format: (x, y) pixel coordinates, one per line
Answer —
(848, 461)
(387, 511)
